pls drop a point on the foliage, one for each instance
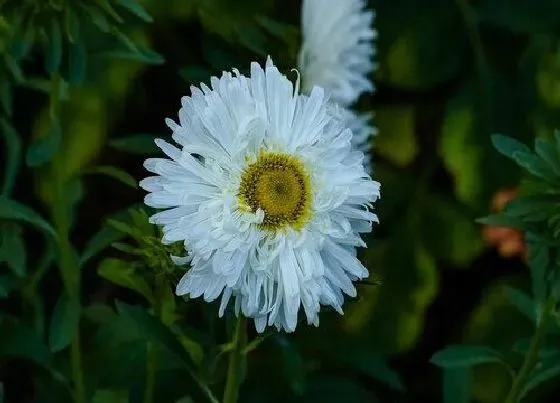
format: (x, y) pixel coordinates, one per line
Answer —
(87, 304)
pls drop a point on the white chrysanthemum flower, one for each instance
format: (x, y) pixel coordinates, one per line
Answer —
(267, 194)
(336, 55)
(337, 49)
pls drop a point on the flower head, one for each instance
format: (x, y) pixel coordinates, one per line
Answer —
(267, 193)
(337, 48)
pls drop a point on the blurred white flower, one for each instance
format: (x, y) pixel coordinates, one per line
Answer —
(337, 55)
(269, 196)
(337, 49)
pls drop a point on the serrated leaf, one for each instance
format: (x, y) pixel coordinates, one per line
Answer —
(534, 165)
(17, 340)
(123, 273)
(544, 371)
(522, 302)
(532, 207)
(456, 385)
(64, 322)
(292, 364)
(12, 210)
(141, 144)
(53, 51)
(12, 248)
(457, 356)
(154, 330)
(78, 62)
(45, 147)
(115, 173)
(508, 146)
(12, 156)
(135, 8)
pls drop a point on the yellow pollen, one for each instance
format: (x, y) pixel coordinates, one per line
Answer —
(279, 185)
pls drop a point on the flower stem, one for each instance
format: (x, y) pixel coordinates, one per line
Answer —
(236, 357)
(532, 355)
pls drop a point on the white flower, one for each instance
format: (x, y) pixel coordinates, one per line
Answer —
(337, 48)
(267, 193)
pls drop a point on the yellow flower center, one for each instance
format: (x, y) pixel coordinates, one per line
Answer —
(279, 185)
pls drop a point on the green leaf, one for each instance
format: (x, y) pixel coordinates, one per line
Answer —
(508, 146)
(523, 346)
(45, 147)
(115, 173)
(13, 68)
(22, 42)
(72, 25)
(97, 17)
(522, 302)
(108, 8)
(532, 207)
(292, 364)
(502, 220)
(457, 356)
(140, 54)
(538, 263)
(64, 322)
(110, 396)
(53, 51)
(13, 210)
(78, 62)
(534, 165)
(141, 144)
(135, 8)
(12, 156)
(6, 285)
(544, 371)
(123, 273)
(154, 330)
(456, 385)
(17, 340)
(546, 149)
(12, 248)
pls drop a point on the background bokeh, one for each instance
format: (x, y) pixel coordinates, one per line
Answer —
(81, 101)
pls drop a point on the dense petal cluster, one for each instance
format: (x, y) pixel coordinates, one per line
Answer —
(337, 55)
(268, 196)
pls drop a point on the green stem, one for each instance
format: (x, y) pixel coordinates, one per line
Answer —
(150, 373)
(236, 357)
(532, 355)
(71, 278)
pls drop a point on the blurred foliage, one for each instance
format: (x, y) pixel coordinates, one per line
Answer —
(85, 86)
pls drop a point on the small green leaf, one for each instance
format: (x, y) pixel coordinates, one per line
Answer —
(97, 17)
(292, 364)
(13, 68)
(122, 273)
(12, 155)
(522, 302)
(78, 62)
(544, 371)
(502, 220)
(22, 42)
(12, 250)
(72, 25)
(53, 51)
(508, 146)
(532, 207)
(547, 151)
(534, 165)
(109, 10)
(135, 8)
(456, 356)
(141, 144)
(64, 322)
(538, 263)
(12, 210)
(140, 55)
(154, 330)
(115, 173)
(45, 147)
(6, 285)
(17, 340)
(456, 385)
